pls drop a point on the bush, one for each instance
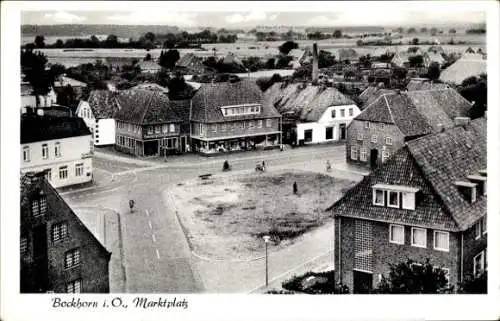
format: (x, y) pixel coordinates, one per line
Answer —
(279, 292)
(326, 285)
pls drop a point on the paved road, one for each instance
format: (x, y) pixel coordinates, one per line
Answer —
(157, 256)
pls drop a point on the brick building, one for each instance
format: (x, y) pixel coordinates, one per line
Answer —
(231, 116)
(58, 253)
(393, 119)
(146, 124)
(427, 201)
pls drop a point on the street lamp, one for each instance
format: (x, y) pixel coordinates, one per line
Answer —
(266, 241)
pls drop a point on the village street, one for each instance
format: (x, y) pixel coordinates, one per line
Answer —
(156, 255)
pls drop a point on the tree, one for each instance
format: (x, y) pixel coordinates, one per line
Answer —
(434, 71)
(400, 30)
(33, 66)
(253, 63)
(287, 46)
(411, 277)
(39, 42)
(59, 43)
(67, 97)
(475, 90)
(416, 61)
(399, 73)
(112, 41)
(411, 30)
(168, 59)
(283, 61)
(148, 57)
(325, 59)
(475, 285)
(270, 63)
(452, 31)
(149, 36)
(337, 33)
(415, 41)
(434, 31)
(170, 41)
(178, 89)
(423, 30)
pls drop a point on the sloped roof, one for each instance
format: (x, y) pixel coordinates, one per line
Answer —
(432, 164)
(379, 51)
(181, 108)
(347, 53)
(148, 65)
(435, 57)
(209, 98)
(64, 81)
(36, 128)
(296, 54)
(103, 103)
(462, 69)
(425, 85)
(145, 107)
(192, 63)
(231, 58)
(307, 103)
(151, 86)
(370, 94)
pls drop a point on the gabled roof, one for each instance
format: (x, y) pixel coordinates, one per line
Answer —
(347, 53)
(209, 98)
(192, 63)
(103, 103)
(26, 89)
(432, 164)
(64, 81)
(462, 69)
(148, 65)
(181, 108)
(418, 112)
(434, 57)
(231, 58)
(371, 94)
(297, 54)
(36, 128)
(425, 84)
(145, 107)
(308, 103)
(151, 86)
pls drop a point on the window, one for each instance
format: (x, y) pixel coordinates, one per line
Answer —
(478, 229)
(378, 197)
(418, 237)
(223, 127)
(360, 136)
(329, 133)
(59, 231)
(157, 129)
(268, 122)
(441, 241)
(26, 153)
(74, 287)
(382, 126)
(24, 245)
(354, 153)
(43, 206)
(483, 224)
(351, 111)
(374, 138)
(165, 128)
(363, 155)
(251, 124)
(408, 201)
(172, 128)
(388, 141)
(57, 149)
(79, 170)
(479, 262)
(367, 124)
(72, 258)
(334, 113)
(385, 156)
(396, 234)
(39, 207)
(45, 151)
(63, 172)
(214, 128)
(342, 112)
(259, 123)
(393, 199)
(48, 174)
(150, 130)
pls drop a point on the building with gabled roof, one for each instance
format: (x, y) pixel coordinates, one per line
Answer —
(372, 93)
(59, 254)
(430, 57)
(427, 201)
(467, 66)
(64, 81)
(231, 116)
(148, 66)
(425, 84)
(146, 124)
(312, 114)
(393, 119)
(191, 64)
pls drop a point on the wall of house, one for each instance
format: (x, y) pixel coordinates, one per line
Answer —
(472, 247)
(28, 100)
(385, 252)
(93, 270)
(104, 132)
(236, 129)
(74, 150)
(381, 131)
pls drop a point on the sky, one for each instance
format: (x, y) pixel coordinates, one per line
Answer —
(339, 15)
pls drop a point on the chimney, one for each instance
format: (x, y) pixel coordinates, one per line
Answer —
(315, 64)
(480, 181)
(468, 190)
(462, 121)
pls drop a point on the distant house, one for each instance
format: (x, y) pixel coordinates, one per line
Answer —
(312, 114)
(425, 84)
(148, 66)
(430, 57)
(371, 94)
(344, 54)
(190, 64)
(401, 59)
(58, 252)
(232, 59)
(58, 146)
(428, 200)
(151, 86)
(98, 112)
(63, 81)
(393, 119)
(30, 99)
(436, 49)
(380, 51)
(465, 67)
(231, 116)
(146, 124)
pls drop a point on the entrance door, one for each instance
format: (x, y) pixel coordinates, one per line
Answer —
(363, 282)
(40, 258)
(151, 148)
(308, 135)
(342, 129)
(182, 147)
(373, 158)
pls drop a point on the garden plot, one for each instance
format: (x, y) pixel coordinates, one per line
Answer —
(227, 218)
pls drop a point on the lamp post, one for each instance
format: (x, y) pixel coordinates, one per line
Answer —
(266, 241)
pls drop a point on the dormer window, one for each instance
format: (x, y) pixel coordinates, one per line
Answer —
(468, 190)
(248, 109)
(395, 196)
(481, 183)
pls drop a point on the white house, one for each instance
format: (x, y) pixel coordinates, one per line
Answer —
(98, 113)
(29, 99)
(321, 114)
(58, 146)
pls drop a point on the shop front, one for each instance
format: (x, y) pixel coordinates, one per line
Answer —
(236, 144)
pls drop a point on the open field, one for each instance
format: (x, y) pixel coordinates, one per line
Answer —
(227, 216)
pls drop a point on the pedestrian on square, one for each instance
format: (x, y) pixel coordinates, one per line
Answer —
(295, 189)
(328, 166)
